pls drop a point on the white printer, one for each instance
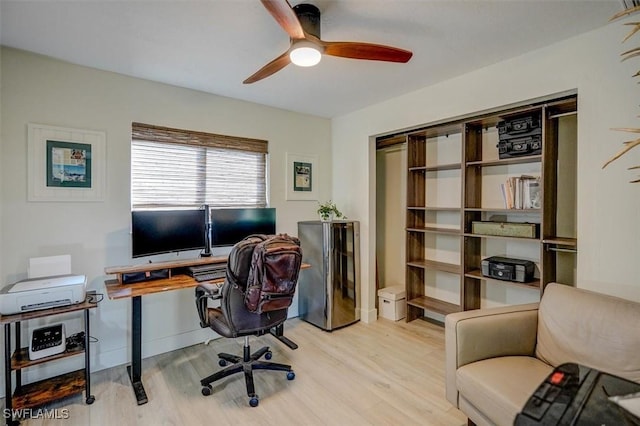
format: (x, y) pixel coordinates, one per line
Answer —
(42, 293)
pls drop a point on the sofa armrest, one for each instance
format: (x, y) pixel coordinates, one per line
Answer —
(487, 333)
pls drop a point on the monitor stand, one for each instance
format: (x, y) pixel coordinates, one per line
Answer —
(207, 239)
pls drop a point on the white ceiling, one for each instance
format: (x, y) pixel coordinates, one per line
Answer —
(214, 45)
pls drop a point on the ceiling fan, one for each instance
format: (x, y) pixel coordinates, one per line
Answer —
(302, 23)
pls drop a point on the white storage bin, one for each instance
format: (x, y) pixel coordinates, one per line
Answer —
(392, 302)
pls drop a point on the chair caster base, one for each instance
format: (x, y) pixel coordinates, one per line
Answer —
(206, 390)
(254, 401)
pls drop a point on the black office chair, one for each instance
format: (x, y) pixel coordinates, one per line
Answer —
(233, 319)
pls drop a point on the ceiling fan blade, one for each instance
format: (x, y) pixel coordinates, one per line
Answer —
(285, 16)
(271, 68)
(372, 52)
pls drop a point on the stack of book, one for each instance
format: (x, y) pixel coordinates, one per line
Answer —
(521, 192)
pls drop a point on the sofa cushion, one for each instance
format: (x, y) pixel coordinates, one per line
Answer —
(596, 330)
(499, 387)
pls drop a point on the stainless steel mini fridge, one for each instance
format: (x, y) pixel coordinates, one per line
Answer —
(329, 291)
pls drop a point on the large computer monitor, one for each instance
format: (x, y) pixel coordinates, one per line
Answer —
(165, 231)
(229, 226)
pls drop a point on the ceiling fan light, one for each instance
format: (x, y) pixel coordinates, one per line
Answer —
(305, 54)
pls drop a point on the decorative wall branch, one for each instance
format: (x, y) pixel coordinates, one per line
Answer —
(628, 145)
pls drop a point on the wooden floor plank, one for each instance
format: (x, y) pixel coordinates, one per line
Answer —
(385, 373)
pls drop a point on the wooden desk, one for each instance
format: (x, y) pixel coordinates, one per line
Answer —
(116, 290)
(177, 280)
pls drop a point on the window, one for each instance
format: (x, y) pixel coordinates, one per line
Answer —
(183, 168)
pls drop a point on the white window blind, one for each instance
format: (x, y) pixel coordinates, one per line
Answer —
(181, 168)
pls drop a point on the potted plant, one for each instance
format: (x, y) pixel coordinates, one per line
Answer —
(328, 211)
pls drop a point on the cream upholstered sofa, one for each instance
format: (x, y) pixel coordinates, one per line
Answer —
(497, 357)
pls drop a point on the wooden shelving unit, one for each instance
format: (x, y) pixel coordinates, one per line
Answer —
(505, 162)
(435, 230)
(426, 166)
(53, 388)
(569, 242)
(477, 274)
(20, 358)
(433, 174)
(501, 237)
(438, 266)
(501, 210)
(48, 390)
(434, 305)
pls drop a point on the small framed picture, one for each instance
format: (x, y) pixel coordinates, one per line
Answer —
(68, 164)
(301, 175)
(65, 164)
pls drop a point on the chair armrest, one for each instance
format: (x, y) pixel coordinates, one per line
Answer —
(487, 333)
(204, 293)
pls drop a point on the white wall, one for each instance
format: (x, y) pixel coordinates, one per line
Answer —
(41, 90)
(1, 198)
(608, 206)
(1, 174)
(391, 177)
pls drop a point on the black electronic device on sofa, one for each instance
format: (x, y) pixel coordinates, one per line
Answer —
(577, 395)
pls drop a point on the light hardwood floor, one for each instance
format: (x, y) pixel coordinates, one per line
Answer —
(385, 373)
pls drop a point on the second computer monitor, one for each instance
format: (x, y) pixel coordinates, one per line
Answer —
(229, 226)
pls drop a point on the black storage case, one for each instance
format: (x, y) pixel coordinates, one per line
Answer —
(517, 125)
(519, 136)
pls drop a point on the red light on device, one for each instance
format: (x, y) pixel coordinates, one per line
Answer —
(556, 377)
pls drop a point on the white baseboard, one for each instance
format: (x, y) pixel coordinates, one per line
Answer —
(369, 316)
